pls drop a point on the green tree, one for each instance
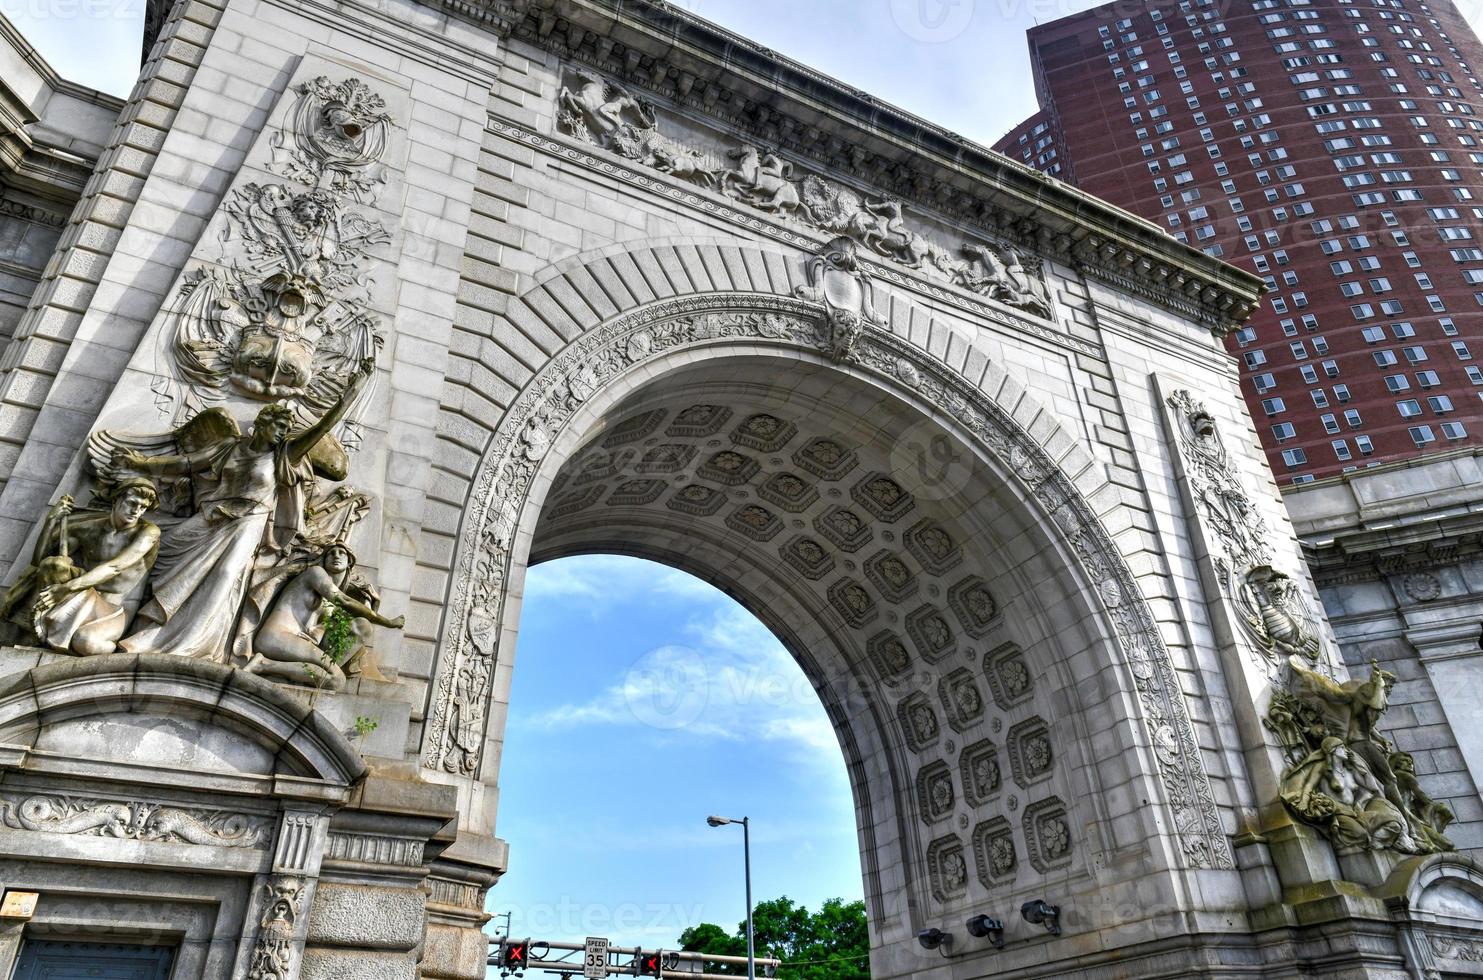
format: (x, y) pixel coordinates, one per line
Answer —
(830, 944)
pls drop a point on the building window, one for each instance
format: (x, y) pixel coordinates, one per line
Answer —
(1422, 435)
(1454, 430)
(1294, 457)
(1283, 431)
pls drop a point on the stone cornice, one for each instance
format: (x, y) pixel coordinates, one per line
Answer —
(51, 173)
(1359, 527)
(779, 102)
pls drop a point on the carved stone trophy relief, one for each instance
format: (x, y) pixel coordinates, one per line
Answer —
(604, 113)
(286, 314)
(209, 542)
(1272, 612)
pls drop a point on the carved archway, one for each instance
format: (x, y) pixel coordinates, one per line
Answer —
(592, 375)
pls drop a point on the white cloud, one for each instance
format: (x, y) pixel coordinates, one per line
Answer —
(733, 681)
(608, 579)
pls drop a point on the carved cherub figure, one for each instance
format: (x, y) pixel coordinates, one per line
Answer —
(292, 635)
(77, 593)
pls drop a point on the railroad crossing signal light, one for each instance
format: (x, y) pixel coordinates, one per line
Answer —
(649, 964)
(514, 954)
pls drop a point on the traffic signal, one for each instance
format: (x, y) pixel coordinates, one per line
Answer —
(514, 954)
(648, 964)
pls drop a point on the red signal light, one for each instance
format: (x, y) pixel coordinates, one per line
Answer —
(514, 954)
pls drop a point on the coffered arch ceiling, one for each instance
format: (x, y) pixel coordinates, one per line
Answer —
(964, 667)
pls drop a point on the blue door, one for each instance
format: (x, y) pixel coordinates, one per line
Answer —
(92, 961)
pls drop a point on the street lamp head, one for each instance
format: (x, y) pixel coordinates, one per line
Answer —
(718, 821)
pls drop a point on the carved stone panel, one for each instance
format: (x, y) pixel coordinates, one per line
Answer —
(811, 559)
(702, 501)
(979, 767)
(1009, 676)
(598, 465)
(948, 867)
(826, 458)
(930, 631)
(755, 521)
(576, 500)
(973, 605)
(1030, 754)
(918, 722)
(699, 421)
(1047, 830)
(666, 458)
(789, 492)
(597, 110)
(846, 529)
(634, 429)
(852, 601)
(994, 852)
(882, 497)
(634, 493)
(933, 547)
(728, 468)
(764, 433)
(961, 699)
(891, 575)
(888, 655)
(935, 796)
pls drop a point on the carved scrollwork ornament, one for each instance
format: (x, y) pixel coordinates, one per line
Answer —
(837, 282)
(458, 709)
(124, 820)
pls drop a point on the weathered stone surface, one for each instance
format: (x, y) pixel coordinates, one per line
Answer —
(367, 917)
(917, 403)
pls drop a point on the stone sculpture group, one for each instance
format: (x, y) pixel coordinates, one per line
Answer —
(1341, 774)
(208, 542)
(602, 112)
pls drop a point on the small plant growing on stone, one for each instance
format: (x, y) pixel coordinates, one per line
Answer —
(339, 633)
(364, 726)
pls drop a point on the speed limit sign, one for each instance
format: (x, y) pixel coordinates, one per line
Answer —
(595, 962)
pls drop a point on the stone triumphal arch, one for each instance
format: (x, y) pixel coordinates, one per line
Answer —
(362, 309)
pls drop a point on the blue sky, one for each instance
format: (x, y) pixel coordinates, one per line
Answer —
(946, 60)
(643, 701)
(960, 63)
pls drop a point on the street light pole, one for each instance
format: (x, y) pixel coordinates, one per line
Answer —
(746, 825)
(747, 867)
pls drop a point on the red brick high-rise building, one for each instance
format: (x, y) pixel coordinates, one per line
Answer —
(1334, 146)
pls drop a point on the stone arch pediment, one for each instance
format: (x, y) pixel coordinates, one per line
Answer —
(593, 333)
(157, 713)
